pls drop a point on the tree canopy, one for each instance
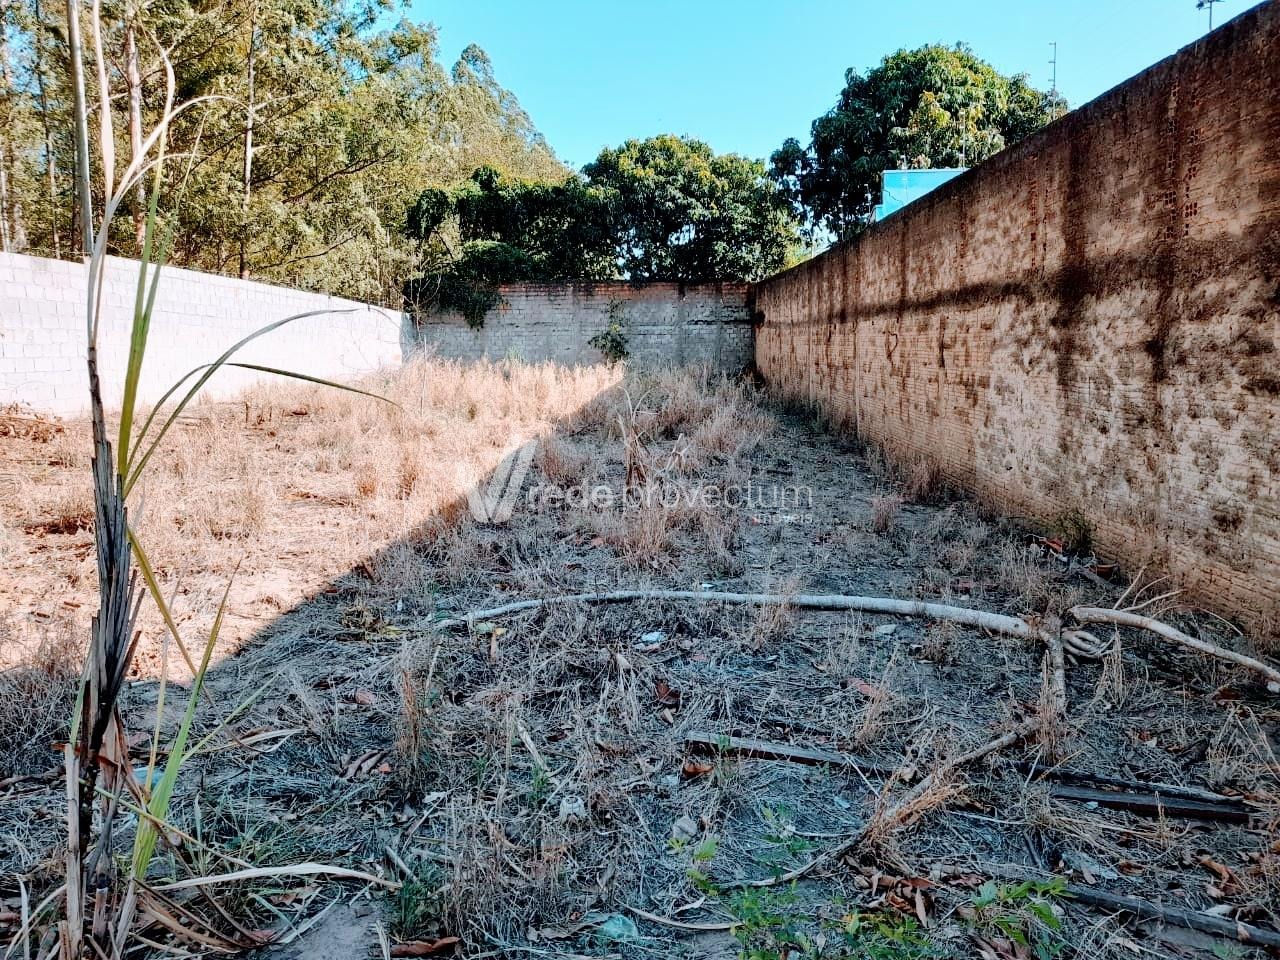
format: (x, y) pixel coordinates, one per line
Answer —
(936, 106)
(666, 208)
(687, 213)
(320, 128)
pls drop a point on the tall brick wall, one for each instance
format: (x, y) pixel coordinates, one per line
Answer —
(197, 316)
(664, 324)
(1088, 321)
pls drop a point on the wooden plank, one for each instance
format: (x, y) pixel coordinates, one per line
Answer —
(1147, 910)
(1085, 778)
(1191, 919)
(1152, 804)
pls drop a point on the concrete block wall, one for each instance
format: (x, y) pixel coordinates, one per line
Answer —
(197, 316)
(1089, 321)
(664, 324)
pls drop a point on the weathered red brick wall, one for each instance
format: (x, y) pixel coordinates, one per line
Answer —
(1088, 321)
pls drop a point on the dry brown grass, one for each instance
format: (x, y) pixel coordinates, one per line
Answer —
(1019, 572)
(884, 512)
(772, 622)
(61, 511)
(921, 481)
(878, 703)
(36, 698)
(294, 485)
(896, 808)
(531, 769)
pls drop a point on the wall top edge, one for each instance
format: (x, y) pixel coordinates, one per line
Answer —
(1259, 24)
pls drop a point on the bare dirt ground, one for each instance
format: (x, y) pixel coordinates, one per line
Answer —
(532, 781)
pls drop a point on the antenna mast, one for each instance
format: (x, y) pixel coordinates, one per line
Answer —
(1207, 5)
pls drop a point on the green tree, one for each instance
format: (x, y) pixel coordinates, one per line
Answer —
(498, 229)
(323, 125)
(567, 229)
(935, 106)
(686, 213)
(666, 208)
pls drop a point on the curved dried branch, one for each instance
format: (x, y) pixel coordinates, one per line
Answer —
(967, 616)
(1127, 619)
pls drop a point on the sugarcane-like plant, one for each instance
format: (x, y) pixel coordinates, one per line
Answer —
(106, 897)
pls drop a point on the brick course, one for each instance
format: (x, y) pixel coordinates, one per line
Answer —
(664, 323)
(1089, 321)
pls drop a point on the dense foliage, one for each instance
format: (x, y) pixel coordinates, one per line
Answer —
(936, 106)
(319, 131)
(686, 213)
(666, 208)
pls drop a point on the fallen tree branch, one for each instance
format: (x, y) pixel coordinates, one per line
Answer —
(903, 805)
(1057, 676)
(967, 616)
(1127, 619)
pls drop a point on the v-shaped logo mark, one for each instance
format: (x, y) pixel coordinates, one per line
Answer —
(496, 502)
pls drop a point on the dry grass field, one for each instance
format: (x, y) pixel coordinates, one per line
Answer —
(565, 781)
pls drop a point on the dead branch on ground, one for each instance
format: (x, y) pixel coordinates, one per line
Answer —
(1128, 619)
(1078, 642)
(752, 749)
(966, 616)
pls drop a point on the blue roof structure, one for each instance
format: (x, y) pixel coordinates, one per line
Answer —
(900, 187)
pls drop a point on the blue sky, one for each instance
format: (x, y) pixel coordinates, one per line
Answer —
(745, 74)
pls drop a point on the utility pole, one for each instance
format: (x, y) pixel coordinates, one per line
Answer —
(1053, 63)
(1207, 5)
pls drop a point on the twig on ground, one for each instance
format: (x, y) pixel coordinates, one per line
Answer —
(707, 743)
(1085, 778)
(536, 756)
(399, 863)
(1057, 675)
(903, 805)
(296, 870)
(1128, 619)
(1132, 585)
(680, 924)
(1156, 599)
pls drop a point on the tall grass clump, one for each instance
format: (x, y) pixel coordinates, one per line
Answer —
(113, 902)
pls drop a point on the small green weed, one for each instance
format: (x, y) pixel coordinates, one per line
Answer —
(612, 340)
(784, 844)
(884, 936)
(539, 785)
(1021, 913)
(416, 906)
(770, 926)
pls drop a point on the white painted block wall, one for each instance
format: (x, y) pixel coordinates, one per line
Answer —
(197, 316)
